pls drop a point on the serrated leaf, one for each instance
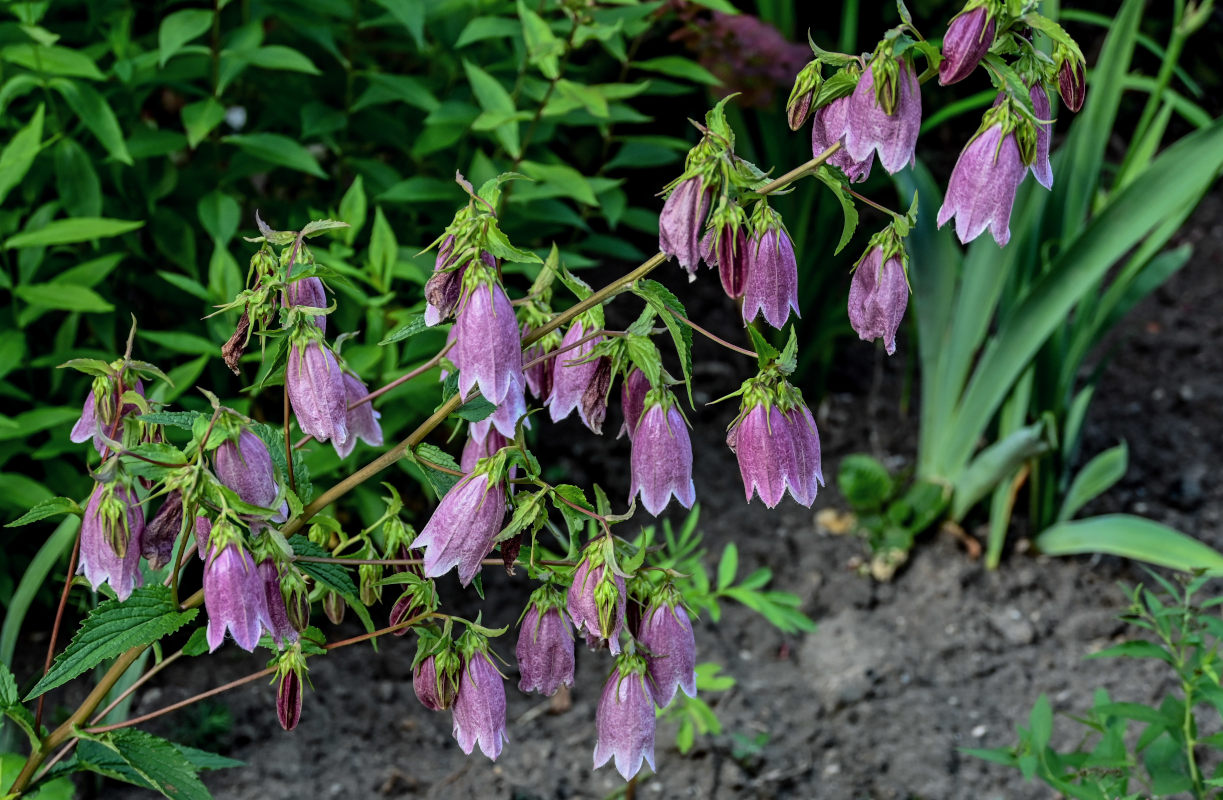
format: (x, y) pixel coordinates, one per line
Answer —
(113, 627)
(197, 645)
(575, 520)
(442, 482)
(679, 67)
(850, 211)
(315, 227)
(334, 576)
(476, 409)
(766, 353)
(175, 419)
(47, 508)
(527, 513)
(160, 764)
(405, 330)
(664, 302)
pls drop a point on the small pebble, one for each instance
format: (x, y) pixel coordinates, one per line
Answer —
(979, 731)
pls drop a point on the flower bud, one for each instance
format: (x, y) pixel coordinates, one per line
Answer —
(277, 622)
(968, 39)
(289, 700)
(315, 385)
(878, 296)
(369, 576)
(625, 719)
(333, 607)
(308, 292)
(595, 599)
(418, 599)
(433, 683)
(297, 602)
(157, 543)
(725, 247)
(682, 220)
(593, 408)
(1072, 83)
(572, 373)
(806, 84)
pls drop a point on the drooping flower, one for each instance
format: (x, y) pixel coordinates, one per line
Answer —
(462, 529)
(308, 292)
(99, 427)
(435, 687)
(478, 448)
(545, 648)
(968, 39)
(111, 533)
(157, 542)
(479, 706)
(878, 296)
(362, 419)
(315, 384)
(505, 416)
(885, 118)
(277, 622)
(595, 599)
(1041, 169)
(725, 247)
(666, 633)
(810, 474)
(828, 128)
(593, 407)
(662, 455)
(983, 183)
(203, 534)
(234, 595)
(444, 288)
(776, 443)
(682, 221)
(488, 346)
(539, 375)
(632, 400)
(625, 719)
(572, 375)
(246, 467)
(772, 277)
(289, 699)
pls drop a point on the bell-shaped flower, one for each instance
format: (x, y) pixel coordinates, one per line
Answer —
(308, 292)
(234, 594)
(277, 621)
(488, 347)
(462, 529)
(505, 416)
(99, 427)
(884, 114)
(632, 400)
(315, 384)
(772, 277)
(595, 600)
(572, 375)
(762, 442)
(246, 467)
(983, 183)
(969, 37)
(625, 719)
(545, 648)
(157, 542)
(483, 447)
(661, 459)
(828, 128)
(878, 296)
(810, 472)
(539, 375)
(362, 419)
(111, 533)
(682, 221)
(479, 706)
(434, 685)
(666, 634)
(1041, 169)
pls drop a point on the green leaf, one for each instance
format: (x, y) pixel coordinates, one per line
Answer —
(679, 67)
(575, 520)
(56, 546)
(564, 180)
(334, 576)
(865, 482)
(66, 297)
(829, 178)
(664, 302)
(386, 88)
(47, 508)
(220, 215)
(113, 627)
(353, 207)
(159, 764)
(200, 118)
(202, 759)
(481, 28)
(76, 180)
(175, 419)
(275, 56)
(411, 15)
(1131, 537)
(71, 231)
(495, 100)
(1040, 721)
(544, 49)
(728, 566)
(476, 409)
(93, 110)
(766, 353)
(19, 153)
(442, 482)
(179, 28)
(52, 60)
(383, 248)
(278, 150)
(405, 330)
(1094, 479)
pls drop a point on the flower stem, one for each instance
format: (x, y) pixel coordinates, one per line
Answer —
(59, 617)
(710, 336)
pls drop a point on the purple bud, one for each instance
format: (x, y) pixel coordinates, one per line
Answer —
(625, 719)
(289, 700)
(539, 376)
(110, 519)
(157, 543)
(462, 529)
(433, 694)
(670, 645)
(726, 249)
(1072, 83)
(681, 222)
(599, 613)
(316, 391)
(593, 408)
(632, 400)
(246, 467)
(334, 607)
(488, 346)
(234, 596)
(983, 185)
(569, 378)
(277, 621)
(308, 292)
(362, 419)
(405, 608)
(828, 128)
(545, 651)
(1041, 169)
(479, 707)
(476, 449)
(662, 459)
(878, 296)
(868, 126)
(772, 278)
(968, 39)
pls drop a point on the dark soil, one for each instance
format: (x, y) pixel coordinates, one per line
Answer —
(880, 700)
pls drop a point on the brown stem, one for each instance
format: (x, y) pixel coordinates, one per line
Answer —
(708, 335)
(59, 617)
(145, 678)
(127, 723)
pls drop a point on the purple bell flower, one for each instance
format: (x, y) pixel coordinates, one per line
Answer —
(1041, 169)
(203, 532)
(234, 596)
(478, 448)
(596, 604)
(157, 542)
(983, 185)
(632, 400)
(539, 376)
(828, 128)
(111, 533)
(462, 529)
(479, 707)
(277, 622)
(682, 221)
(570, 380)
(968, 39)
(91, 426)
(809, 475)
(246, 467)
(545, 651)
(772, 278)
(725, 248)
(666, 633)
(505, 416)
(662, 458)
(361, 420)
(488, 346)
(869, 127)
(308, 292)
(625, 719)
(878, 296)
(316, 391)
(763, 443)
(1072, 83)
